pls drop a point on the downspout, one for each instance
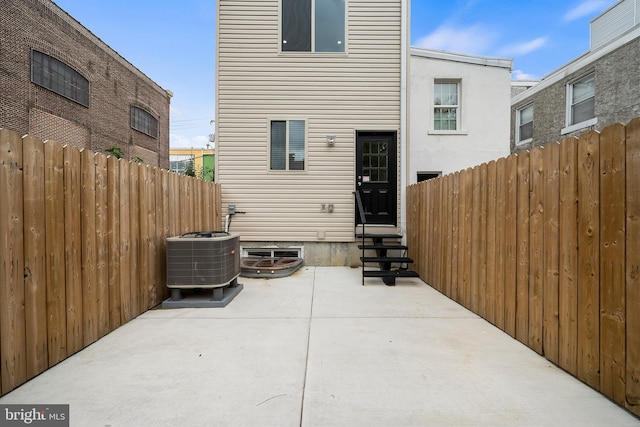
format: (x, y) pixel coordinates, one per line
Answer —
(404, 128)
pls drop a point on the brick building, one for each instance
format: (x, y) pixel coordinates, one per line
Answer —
(597, 89)
(58, 81)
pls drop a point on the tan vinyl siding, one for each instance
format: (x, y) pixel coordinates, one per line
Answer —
(336, 93)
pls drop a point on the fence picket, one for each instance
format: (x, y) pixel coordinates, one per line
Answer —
(35, 290)
(491, 295)
(551, 180)
(467, 235)
(55, 262)
(511, 245)
(447, 253)
(522, 239)
(475, 214)
(568, 267)
(73, 248)
(102, 248)
(113, 227)
(13, 359)
(144, 244)
(612, 263)
(89, 257)
(125, 253)
(482, 244)
(134, 238)
(632, 311)
(588, 259)
(152, 215)
(455, 234)
(536, 249)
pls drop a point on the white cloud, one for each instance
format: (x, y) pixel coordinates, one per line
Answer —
(475, 39)
(183, 141)
(523, 48)
(520, 75)
(584, 8)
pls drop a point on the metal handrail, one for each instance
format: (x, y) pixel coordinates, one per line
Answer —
(363, 221)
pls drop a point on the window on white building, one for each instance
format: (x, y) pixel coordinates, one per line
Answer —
(446, 105)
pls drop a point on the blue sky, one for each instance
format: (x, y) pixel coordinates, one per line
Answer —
(173, 41)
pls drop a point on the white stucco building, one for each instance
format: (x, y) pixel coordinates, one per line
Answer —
(458, 111)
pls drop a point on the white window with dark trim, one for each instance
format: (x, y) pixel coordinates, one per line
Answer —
(581, 95)
(143, 121)
(446, 105)
(287, 145)
(524, 124)
(58, 77)
(313, 25)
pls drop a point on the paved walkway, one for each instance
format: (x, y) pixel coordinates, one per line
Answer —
(318, 349)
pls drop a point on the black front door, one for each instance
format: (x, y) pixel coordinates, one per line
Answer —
(376, 176)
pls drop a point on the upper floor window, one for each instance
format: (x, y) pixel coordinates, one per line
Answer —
(144, 122)
(288, 147)
(582, 100)
(446, 107)
(58, 77)
(313, 25)
(524, 124)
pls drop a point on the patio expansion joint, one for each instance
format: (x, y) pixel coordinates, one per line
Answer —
(306, 360)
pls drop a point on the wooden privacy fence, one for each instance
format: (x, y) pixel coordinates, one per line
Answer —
(546, 246)
(82, 247)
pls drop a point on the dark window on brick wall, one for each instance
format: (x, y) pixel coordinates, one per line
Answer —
(58, 77)
(144, 122)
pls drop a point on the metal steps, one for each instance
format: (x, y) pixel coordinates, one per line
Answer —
(385, 261)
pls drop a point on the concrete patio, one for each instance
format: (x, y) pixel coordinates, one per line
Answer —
(318, 349)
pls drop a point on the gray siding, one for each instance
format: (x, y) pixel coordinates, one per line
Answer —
(336, 93)
(614, 22)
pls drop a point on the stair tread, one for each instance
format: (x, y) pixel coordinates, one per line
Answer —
(383, 246)
(379, 236)
(390, 273)
(386, 259)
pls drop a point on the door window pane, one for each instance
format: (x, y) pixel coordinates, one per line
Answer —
(375, 160)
